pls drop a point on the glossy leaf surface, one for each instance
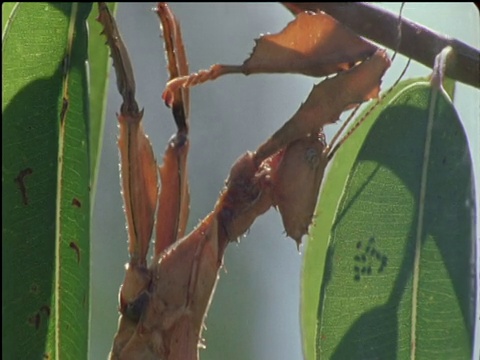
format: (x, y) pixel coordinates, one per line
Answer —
(399, 275)
(45, 182)
(99, 68)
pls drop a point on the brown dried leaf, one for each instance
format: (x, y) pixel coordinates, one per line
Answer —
(313, 44)
(296, 182)
(327, 101)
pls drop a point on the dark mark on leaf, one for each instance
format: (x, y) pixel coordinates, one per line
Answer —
(76, 203)
(365, 260)
(20, 181)
(63, 112)
(35, 320)
(75, 247)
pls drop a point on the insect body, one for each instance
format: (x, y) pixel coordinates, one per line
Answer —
(163, 305)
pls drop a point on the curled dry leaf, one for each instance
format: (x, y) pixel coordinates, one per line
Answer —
(296, 183)
(313, 44)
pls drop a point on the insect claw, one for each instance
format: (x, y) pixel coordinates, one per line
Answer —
(298, 245)
(168, 98)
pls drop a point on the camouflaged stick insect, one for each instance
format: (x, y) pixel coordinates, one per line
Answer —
(296, 155)
(163, 305)
(158, 323)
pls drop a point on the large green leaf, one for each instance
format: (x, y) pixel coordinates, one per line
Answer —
(316, 249)
(399, 275)
(45, 182)
(99, 74)
(7, 10)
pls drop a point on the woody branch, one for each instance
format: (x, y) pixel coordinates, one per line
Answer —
(416, 41)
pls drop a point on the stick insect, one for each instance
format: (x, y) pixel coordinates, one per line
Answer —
(163, 304)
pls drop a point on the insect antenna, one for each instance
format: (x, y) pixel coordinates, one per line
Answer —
(340, 131)
(333, 147)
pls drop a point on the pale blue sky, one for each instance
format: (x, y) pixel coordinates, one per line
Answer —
(255, 312)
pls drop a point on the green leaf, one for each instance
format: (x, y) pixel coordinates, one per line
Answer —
(8, 9)
(45, 182)
(99, 62)
(316, 249)
(399, 270)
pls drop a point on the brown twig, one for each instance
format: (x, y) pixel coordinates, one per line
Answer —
(418, 42)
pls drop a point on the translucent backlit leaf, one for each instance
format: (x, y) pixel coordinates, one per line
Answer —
(398, 279)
